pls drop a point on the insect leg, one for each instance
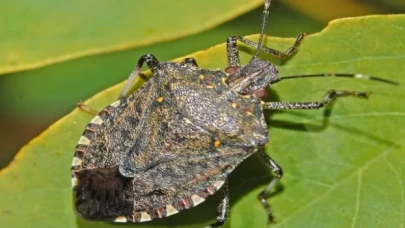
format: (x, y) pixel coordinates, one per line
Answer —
(223, 207)
(264, 194)
(86, 108)
(233, 53)
(190, 61)
(153, 65)
(330, 96)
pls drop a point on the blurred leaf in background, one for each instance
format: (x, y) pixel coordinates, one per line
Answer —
(332, 9)
(45, 32)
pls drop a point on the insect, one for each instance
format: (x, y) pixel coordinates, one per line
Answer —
(172, 143)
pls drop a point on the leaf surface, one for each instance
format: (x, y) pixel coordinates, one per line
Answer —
(342, 169)
(45, 32)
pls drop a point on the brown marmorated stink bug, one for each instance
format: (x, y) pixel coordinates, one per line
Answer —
(172, 143)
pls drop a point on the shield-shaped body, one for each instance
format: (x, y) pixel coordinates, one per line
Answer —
(165, 147)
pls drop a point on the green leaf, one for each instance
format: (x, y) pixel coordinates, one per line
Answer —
(333, 9)
(341, 169)
(44, 32)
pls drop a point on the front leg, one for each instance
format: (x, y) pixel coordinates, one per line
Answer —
(330, 96)
(233, 52)
(153, 65)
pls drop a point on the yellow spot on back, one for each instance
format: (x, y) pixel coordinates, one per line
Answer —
(217, 143)
(120, 219)
(187, 120)
(170, 210)
(160, 99)
(145, 217)
(235, 105)
(210, 86)
(201, 76)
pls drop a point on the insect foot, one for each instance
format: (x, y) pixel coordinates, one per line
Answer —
(173, 142)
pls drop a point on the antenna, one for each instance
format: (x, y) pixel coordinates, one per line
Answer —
(343, 75)
(265, 16)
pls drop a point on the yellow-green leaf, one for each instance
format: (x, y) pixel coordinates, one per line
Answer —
(342, 169)
(43, 32)
(340, 8)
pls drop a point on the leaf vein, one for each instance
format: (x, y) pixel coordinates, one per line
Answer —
(358, 192)
(338, 184)
(398, 175)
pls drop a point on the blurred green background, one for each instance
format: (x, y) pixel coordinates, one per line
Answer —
(32, 99)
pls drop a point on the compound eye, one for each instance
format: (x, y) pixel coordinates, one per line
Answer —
(261, 94)
(231, 69)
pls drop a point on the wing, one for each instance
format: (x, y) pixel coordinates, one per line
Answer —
(161, 191)
(104, 144)
(114, 130)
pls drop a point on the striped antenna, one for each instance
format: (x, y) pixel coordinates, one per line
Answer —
(265, 16)
(342, 75)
